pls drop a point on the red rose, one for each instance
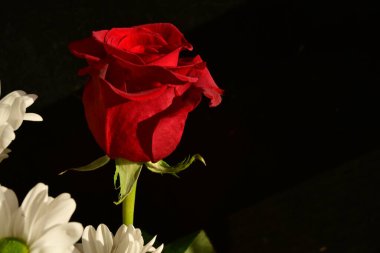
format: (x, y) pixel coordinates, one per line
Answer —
(141, 91)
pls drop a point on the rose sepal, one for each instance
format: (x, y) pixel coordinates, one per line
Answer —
(98, 163)
(127, 172)
(163, 167)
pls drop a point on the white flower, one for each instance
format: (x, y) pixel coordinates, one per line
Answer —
(127, 240)
(12, 114)
(40, 225)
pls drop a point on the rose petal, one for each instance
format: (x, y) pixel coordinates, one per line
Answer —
(88, 49)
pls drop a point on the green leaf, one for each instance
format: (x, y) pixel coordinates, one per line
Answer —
(100, 162)
(200, 244)
(193, 243)
(163, 167)
(128, 172)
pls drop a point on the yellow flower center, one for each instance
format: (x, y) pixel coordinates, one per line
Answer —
(13, 245)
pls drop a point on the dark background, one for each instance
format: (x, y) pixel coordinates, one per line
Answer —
(292, 152)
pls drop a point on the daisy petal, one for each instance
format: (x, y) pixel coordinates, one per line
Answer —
(7, 135)
(8, 204)
(32, 117)
(41, 222)
(105, 237)
(29, 99)
(5, 111)
(61, 237)
(12, 114)
(88, 237)
(127, 240)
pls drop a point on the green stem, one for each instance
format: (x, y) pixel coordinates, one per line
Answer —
(129, 206)
(127, 172)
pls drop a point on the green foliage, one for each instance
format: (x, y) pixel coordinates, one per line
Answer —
(194, 243)
(100, 162)
(163, 167)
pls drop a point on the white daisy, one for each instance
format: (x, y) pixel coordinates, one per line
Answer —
(40, 225)
(127, 240)
(12, 114)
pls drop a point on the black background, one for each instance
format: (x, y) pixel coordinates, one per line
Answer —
(301, 100)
